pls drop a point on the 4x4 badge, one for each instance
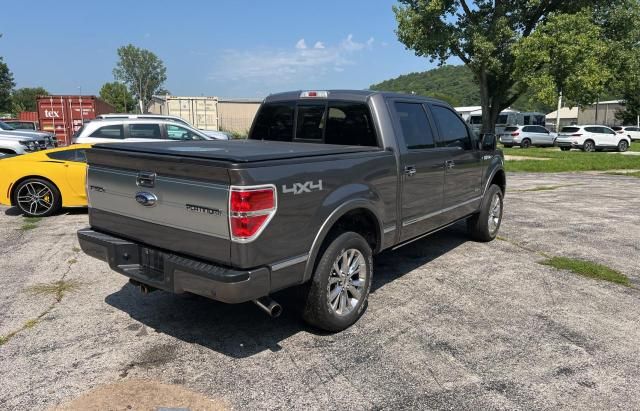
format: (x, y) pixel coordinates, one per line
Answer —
(299, 188)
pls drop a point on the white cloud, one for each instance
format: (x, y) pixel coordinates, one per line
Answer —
(279, 67)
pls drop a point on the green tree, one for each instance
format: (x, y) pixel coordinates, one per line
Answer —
(24, 99)
(118, 96)
(142, 71)
(6, 86)
(484, 35)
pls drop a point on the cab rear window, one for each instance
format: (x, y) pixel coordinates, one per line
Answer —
(511, 128)
(332, 122)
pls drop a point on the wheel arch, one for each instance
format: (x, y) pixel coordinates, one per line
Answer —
(359, 216)
(499, 177)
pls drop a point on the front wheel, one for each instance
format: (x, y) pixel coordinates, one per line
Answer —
(484, 225)
(623, 146)
(36, 197)
(341, 283)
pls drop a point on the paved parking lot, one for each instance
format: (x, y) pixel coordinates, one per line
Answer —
(450, 324)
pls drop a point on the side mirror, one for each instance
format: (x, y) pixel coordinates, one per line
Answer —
(488, 142)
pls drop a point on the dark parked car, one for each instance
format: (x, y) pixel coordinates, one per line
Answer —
(326, 180)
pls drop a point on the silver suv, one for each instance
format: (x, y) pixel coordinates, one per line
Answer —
(216, 135)
(135, 130)
(527, 136)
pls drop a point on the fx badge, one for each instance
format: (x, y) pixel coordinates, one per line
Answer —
(299, 188)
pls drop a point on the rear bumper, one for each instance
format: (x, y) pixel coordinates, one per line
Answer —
(175, 273)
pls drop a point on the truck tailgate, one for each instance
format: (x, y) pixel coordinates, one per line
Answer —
(165, 202)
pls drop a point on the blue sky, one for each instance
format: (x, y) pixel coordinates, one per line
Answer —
(228, 49)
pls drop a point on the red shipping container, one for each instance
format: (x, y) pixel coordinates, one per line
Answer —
(64, 115)
(28, 116)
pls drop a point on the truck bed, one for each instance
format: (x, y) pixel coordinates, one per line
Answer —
(236, 151)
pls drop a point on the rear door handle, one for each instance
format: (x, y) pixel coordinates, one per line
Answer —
(449, 164)
(410, 170)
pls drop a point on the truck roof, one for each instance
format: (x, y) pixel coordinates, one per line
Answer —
(350, 95)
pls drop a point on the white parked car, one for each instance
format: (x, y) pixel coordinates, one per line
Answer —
(527, 136)
(631, 131)
(591, 138)
(12, 145)
(218, 135)
(135, 130)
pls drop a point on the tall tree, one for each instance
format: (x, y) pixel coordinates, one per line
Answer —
(118, 95)
(6, 86)
(24, 99)
(484, 35)
(142, 71)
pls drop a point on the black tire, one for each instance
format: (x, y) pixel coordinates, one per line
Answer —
(565, 148)
(319, 310)
(478, 224)
(589, 146)
(48, 204)
(526, 143)
(623, 146)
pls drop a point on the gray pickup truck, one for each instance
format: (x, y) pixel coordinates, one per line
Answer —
(326, 180)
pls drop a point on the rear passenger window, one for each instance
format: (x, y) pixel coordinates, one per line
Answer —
(416, 129)
(310, 122)
(144, 131)
(78, 156)
(109, 132)
(529, 129)
(453, 131)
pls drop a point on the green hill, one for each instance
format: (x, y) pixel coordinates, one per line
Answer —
(453, 84)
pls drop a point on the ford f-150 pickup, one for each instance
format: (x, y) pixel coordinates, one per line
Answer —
(325, 180)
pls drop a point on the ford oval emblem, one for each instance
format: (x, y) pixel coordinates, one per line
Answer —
(146, 199)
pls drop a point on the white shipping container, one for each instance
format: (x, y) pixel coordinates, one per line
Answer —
(201, 112)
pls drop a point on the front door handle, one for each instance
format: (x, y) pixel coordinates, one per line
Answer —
(410, 170)
(449, 164)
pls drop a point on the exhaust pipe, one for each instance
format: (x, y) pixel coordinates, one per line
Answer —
(272, 308)
(144, 289)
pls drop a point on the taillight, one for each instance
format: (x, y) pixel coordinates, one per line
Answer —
(250, 210)
(516, 134)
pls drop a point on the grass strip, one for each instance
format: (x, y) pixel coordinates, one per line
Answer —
(587, 269)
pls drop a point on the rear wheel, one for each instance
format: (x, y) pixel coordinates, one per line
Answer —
(341, 282)
(526, 143)
(589, 146)
(37, 198)
(623, 146)
(484, 225)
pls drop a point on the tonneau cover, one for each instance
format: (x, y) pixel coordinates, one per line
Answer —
(237, 151)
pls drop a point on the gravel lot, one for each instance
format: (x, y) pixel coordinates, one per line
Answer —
(450, 324)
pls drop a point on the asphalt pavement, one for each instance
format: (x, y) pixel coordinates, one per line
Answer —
(451, 323)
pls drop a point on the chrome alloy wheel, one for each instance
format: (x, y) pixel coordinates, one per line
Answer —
(35, 198)
(347, 280)
(495, 213)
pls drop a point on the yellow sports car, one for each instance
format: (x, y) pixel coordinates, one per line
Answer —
(40, 183)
